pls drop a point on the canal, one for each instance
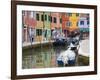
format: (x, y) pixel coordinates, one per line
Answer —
(45, 56)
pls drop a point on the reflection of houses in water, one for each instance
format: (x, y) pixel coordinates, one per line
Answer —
(53, 59)
(28, 62)
(47, 58)
(40, 60)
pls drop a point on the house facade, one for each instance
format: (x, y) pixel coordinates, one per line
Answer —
(56, 20)
(84, 22)
(29, 23)
(47, 26)
(56, 23)
(73, 21)
(39, 26)
(44, 23)
(65, 20)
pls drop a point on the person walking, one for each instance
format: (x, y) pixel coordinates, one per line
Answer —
(31, 34)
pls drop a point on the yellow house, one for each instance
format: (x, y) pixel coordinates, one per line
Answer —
(39, 26)
(73, 21)
(40, 19)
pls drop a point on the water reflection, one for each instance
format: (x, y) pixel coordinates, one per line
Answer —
(45, 56)
(41, 57)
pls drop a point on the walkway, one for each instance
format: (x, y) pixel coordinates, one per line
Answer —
(26, 44)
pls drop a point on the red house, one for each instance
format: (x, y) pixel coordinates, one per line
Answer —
(65, 19)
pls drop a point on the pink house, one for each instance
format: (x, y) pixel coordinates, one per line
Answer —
(55, 20)
(29, 22)
(29, 19)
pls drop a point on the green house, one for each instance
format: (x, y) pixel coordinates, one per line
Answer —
(47, 26)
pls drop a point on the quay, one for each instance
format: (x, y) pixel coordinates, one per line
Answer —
(26, 45)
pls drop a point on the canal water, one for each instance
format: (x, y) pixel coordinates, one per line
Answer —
(45, 56)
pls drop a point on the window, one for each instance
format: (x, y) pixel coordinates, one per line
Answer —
(77, 14)
(45, 33)
(37, 17)
(69, 14)
(45, 17)
(87, 18)
(60, 20)
(55, 20)
(87, 22)
(51, 19)
(39, 32)
(77, 23)
(81, 22)
(68, 23)
(88, 15)
(42, 17)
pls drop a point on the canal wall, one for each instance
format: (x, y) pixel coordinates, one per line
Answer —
(36, 44)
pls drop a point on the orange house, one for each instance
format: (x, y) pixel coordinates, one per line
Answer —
(65, 19)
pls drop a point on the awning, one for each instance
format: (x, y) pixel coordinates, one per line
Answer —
(84, 29)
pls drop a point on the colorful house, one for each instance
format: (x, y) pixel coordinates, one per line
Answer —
(39, 26)
(56, 21)
(84, 22)
(60, 22)
(65, 19)
(43, 23)
(29, 22)
(73, 21)
(24, 27)
(46, 26)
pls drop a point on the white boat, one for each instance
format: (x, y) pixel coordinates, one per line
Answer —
(66, 56)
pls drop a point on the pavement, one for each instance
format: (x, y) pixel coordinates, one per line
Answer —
(25, 44)
(84, 48)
